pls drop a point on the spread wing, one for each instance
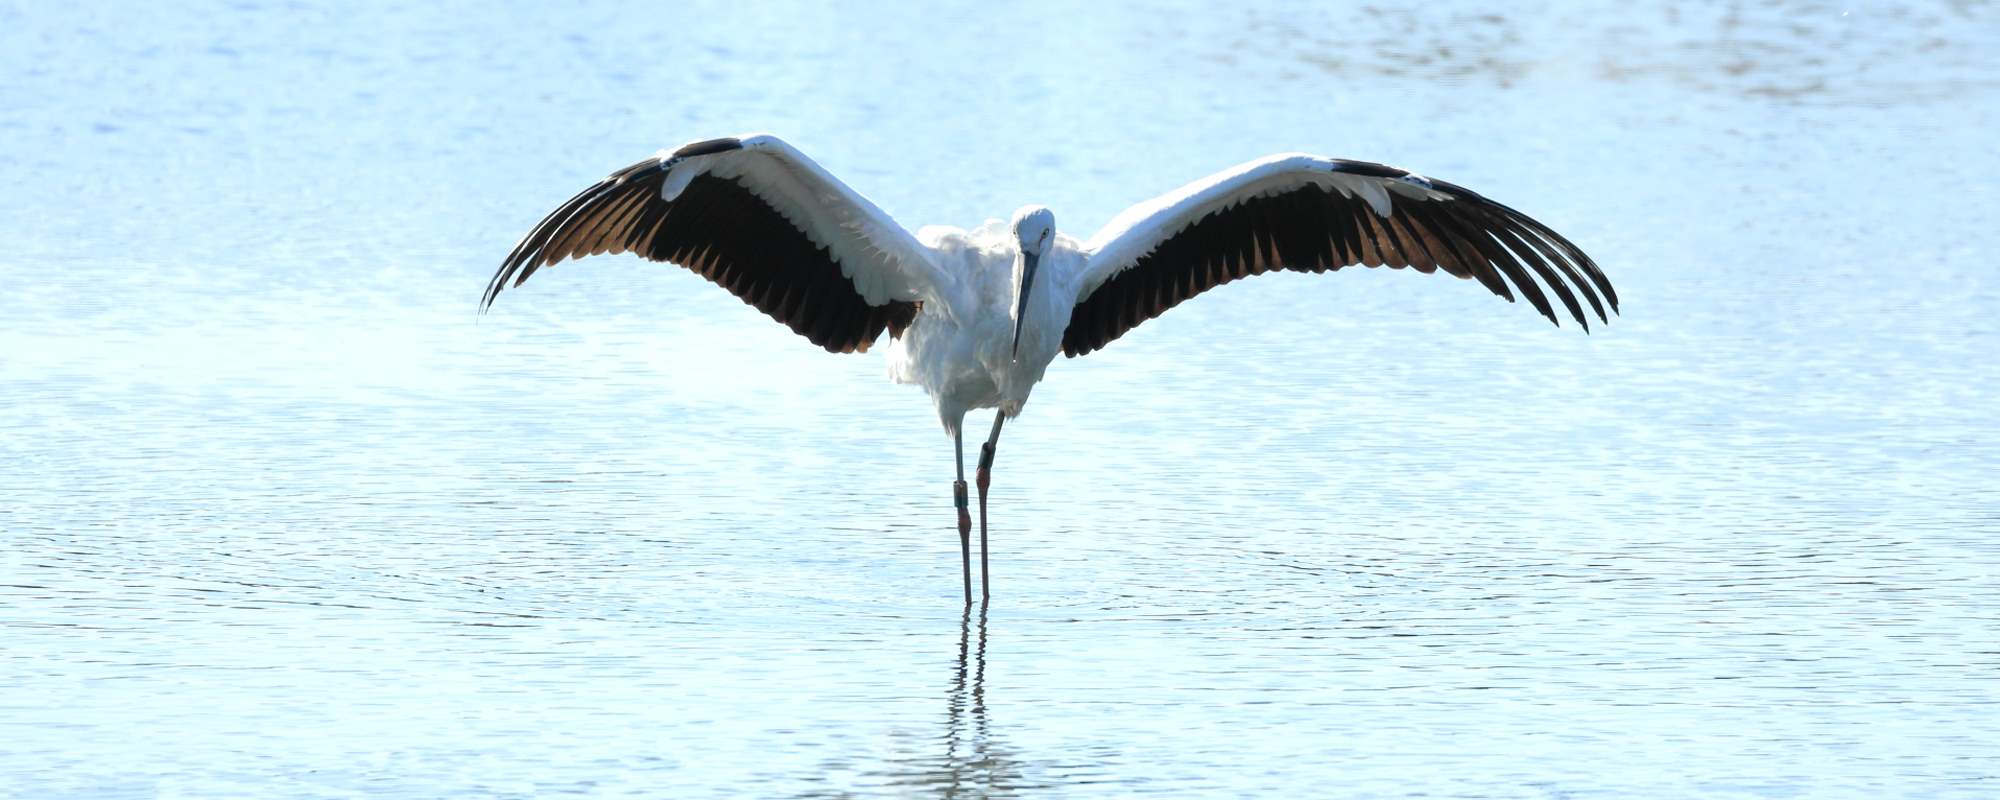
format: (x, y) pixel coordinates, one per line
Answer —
(758, 218)
(1312, 214)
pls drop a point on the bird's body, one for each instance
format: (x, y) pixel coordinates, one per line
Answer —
(964, 357)
(977, 316)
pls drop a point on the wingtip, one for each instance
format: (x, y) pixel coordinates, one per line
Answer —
(1602, 318)
(492, 292)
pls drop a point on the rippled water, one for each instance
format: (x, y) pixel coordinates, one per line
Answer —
(284, 517)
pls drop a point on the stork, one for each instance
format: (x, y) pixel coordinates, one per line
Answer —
(976, 317)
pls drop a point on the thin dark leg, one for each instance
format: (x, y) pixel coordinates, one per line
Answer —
(985, 479)
(964, 519)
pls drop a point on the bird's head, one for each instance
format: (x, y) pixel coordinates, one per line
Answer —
(1035, 227)
(1035, 230)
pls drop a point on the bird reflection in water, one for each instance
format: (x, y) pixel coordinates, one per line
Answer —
(968, 700)
(974, 764)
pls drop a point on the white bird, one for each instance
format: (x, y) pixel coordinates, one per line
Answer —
(975, 317)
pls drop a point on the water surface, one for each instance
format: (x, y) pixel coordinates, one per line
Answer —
(284, 517)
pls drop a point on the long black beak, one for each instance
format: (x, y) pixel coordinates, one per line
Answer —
(1030, 260)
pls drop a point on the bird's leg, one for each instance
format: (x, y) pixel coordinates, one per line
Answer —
(985, 478)
(964, 519)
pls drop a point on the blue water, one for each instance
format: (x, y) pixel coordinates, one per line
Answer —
(284, 517)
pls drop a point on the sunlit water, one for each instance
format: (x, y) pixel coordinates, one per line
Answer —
(284, 517)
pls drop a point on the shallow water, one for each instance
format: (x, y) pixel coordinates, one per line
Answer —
(284, 517)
